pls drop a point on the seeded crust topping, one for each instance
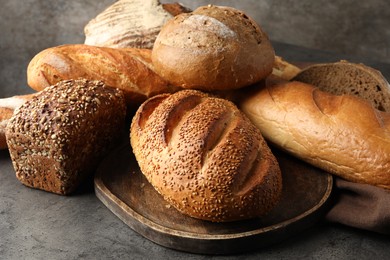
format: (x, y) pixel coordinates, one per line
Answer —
(55, 137)
(205, 157)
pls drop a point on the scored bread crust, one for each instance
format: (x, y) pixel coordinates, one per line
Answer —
(130, 23)
(129, 69)
(343, 135)
(213, 48)
(205, 157)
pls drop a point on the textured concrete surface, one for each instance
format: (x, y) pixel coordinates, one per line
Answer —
(346, 27)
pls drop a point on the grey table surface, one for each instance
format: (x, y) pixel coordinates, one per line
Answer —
(39, 225)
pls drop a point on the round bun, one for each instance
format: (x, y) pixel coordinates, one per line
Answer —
(205, 157)
(213, 48)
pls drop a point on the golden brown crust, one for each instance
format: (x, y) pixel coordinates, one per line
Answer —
(57, 138)
(205, 157)
(213, 48)
(7, 107)
(128, 69)
(343, 135)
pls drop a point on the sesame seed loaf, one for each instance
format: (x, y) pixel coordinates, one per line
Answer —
(345, 77)
(57, 138)
(205, 157)
(213, 48)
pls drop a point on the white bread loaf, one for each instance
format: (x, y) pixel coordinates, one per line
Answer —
(205, 157)
(344, 135)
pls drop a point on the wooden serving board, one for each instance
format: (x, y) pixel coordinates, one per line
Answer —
(120, 185)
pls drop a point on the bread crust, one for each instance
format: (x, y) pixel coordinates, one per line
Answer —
(205, 157)
(344, 77)
(7, 108)
(213, 48)
(343, 135)
(57, 138)
(129, 69)
(130, 23)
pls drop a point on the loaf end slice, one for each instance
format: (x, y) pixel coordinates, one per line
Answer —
(345, 77)
(57, 138)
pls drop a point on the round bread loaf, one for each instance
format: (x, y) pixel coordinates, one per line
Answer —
(213, 48)
(205, 157)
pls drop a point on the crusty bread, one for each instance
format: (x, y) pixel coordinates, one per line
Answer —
(205, 157)
(57, 138)
(130, 23)
(128, 69)
(343, 135)
(284, 69)
(7, 107)
(213, 48)
(345, 77)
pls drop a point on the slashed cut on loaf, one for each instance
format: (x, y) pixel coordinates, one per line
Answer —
(205, 157)
(343, 135)
(57, 138)
(129, 69)
(345, 77)
(130, 23)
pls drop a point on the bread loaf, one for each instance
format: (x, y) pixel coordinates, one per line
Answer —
(7, 107)
(213, 48)
(344, 135)
(57, 138)
(130, 23)
(345, 77)
(128, 69)
(205, 157)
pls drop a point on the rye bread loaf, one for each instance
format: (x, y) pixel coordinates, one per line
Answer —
(213, 48)
(345, 77)
(205, 157)
(130, 23)
(344, 135)
(57, 138)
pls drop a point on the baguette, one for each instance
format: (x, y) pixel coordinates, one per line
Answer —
(205, 157)
(344, 135)
(129, 69)
(7, 108)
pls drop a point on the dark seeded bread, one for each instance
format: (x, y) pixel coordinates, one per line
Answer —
(57, 138)
(344, 77)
